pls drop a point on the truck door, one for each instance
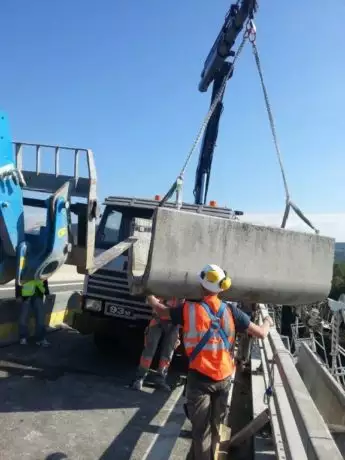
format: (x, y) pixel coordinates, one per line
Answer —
(112, 230)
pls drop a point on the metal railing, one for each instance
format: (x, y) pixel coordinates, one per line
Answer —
(293, 413)
(50, 179)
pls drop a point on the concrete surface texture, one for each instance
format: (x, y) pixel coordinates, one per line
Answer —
(139, 254)
(315, 434)
(267, 265)
(294, 405)
(71, 402)
(326, 392)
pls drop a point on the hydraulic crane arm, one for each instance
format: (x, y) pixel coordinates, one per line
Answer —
(222, 47)
(203, 172)
(216, 69)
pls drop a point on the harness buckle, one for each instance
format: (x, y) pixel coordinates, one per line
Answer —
(215, 324)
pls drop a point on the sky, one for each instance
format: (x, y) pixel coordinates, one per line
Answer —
(121, 77)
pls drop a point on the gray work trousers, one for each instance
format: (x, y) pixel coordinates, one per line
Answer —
(153, 336)
(207, 402)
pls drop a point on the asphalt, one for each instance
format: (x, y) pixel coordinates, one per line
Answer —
(72, 402)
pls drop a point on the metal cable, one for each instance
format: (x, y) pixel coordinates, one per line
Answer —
(206, 120)
(213, 107)
(250, 33)
(289, 203)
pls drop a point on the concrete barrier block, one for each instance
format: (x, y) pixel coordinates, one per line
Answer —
(327, 393)
(266, 264)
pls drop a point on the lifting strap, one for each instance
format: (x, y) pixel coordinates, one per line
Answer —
(214, 330)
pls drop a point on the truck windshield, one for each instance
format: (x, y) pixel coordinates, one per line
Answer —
(109, 231)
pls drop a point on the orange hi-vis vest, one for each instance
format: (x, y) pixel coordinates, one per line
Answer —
(209, 337)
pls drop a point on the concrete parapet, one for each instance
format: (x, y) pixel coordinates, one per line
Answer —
(327, 394)
(315, 434)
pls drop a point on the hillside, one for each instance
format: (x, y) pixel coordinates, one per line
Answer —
(339, 252)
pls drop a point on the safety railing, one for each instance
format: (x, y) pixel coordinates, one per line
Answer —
(43, 180)
(298, 427)
(50, 179)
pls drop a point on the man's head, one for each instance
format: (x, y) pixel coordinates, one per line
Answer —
(214, 279)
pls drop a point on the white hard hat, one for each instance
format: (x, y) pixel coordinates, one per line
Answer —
(214, 279)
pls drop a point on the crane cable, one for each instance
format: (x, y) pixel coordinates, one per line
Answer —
(289, 203)
(249, 34)
(177, 185)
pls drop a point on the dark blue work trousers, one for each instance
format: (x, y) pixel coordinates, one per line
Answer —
(34, 304)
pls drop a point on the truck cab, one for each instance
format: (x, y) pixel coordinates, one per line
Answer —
(108, 309)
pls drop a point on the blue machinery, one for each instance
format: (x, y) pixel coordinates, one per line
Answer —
(27, 256)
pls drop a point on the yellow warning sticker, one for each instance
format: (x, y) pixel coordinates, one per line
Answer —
(62, 232)
(22, 263)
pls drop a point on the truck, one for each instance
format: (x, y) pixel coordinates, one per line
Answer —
(108, 310)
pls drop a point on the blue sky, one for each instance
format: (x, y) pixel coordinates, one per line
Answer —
(120, 77)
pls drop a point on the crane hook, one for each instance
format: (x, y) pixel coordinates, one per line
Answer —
(251, 31)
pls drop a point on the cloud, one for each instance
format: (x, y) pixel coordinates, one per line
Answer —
(329, 224)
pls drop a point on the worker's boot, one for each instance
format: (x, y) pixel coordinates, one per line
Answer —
(161, 380)
(138, 384)
(139, 379)
(43, 343)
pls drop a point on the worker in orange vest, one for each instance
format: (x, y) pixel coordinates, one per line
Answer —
(209, 329)
(157, 329)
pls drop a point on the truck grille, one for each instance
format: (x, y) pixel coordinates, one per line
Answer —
(112, 286)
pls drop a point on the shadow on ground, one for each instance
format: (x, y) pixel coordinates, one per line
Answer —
(83, 391)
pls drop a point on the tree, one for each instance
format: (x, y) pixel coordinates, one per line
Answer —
(338, 281)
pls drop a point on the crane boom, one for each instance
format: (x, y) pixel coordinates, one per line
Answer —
(216, 69)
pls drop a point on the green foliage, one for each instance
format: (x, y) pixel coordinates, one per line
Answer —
(338, 281)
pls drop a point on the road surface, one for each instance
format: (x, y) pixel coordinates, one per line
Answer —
(70, 402)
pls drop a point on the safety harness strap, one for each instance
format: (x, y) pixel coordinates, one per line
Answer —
(214, 329)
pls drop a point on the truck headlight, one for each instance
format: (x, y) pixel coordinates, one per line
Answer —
(94, 305)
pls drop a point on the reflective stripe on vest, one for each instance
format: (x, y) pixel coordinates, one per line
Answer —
(202, 340)
(29, 288)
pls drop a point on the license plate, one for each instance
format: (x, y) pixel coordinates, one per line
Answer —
(117, 310)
